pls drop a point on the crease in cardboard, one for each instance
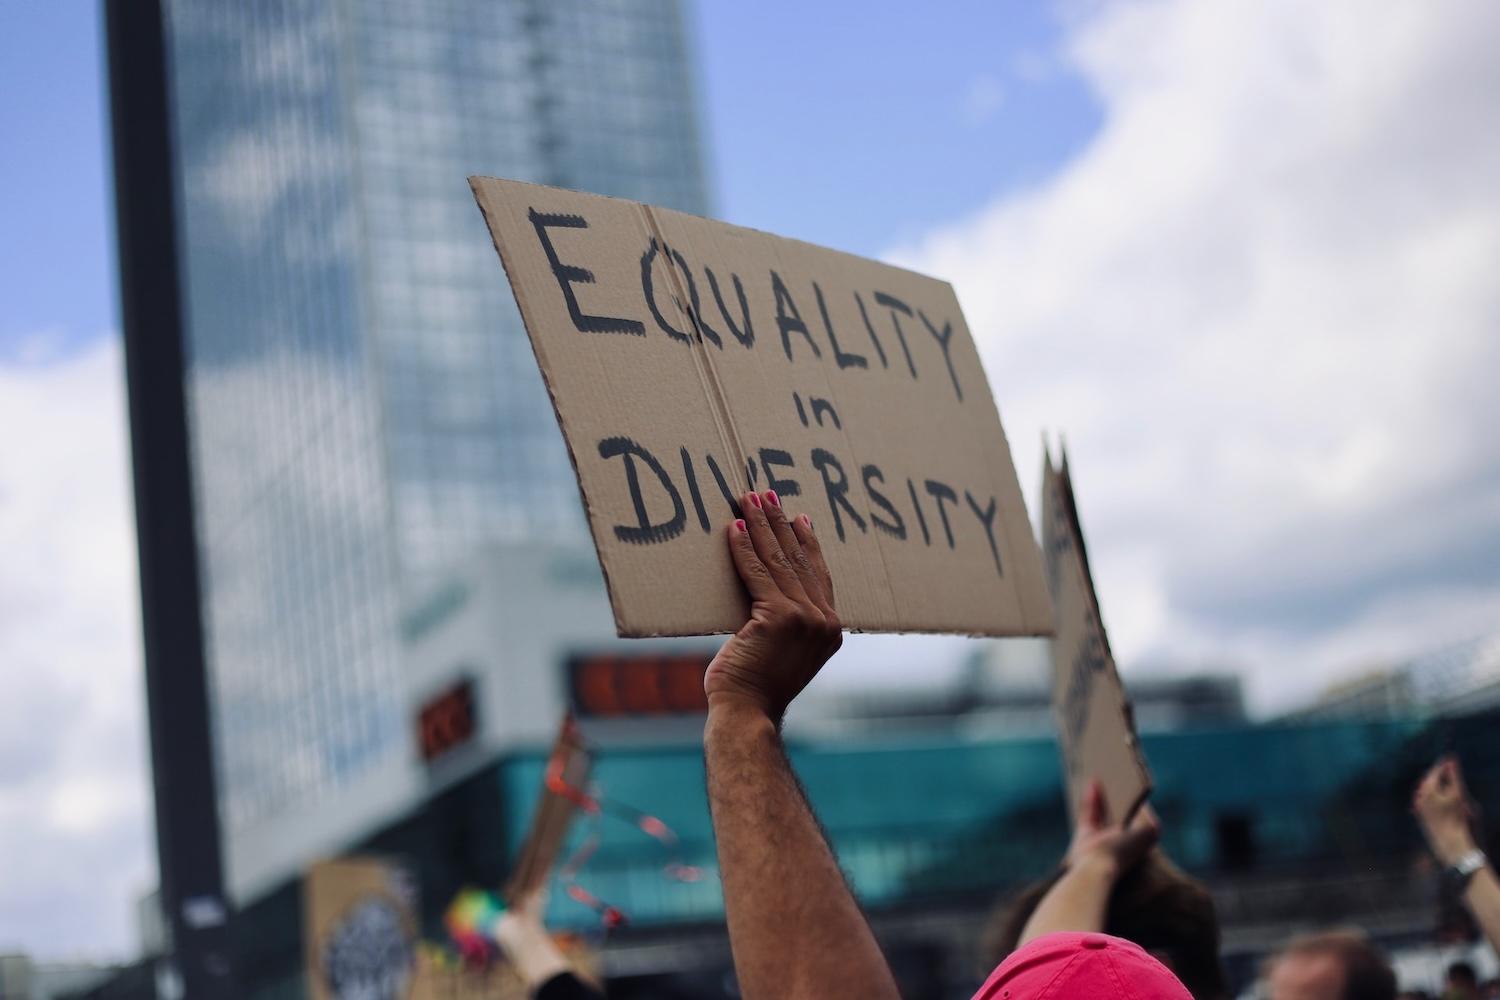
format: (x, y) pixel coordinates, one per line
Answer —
(708, 375)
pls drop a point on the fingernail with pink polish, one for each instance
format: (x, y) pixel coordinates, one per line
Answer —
(755, 500)
(773, 498)
(739, 525)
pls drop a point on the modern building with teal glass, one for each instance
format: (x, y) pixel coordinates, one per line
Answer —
(363, 405)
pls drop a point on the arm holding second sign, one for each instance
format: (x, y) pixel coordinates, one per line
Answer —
(794, 926)
(1098, 856)
(1447, 815)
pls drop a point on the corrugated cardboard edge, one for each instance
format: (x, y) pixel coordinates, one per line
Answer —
(476, 185)
(1069, 501)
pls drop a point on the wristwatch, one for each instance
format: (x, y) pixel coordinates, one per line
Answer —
(1458, 874)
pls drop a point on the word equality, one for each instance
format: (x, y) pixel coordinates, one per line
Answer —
(733, 321)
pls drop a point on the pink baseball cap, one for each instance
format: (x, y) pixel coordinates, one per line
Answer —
(1066, 966)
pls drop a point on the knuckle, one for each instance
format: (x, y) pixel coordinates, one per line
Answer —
(794, 620)
(807, 619)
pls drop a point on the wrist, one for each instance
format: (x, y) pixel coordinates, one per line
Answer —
(1452, 844)
(740, 711)
(1097, 867)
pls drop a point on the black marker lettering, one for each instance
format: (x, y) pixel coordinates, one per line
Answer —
(695, 311)
(769, 459)
(729, 497)
(750, 472)
(822, 406)
(746, 336)
(944, 339)
(643, 532)
(987, 518)
(801, 413)
(921, 518)
(790, 322)
(941, 492)
(870, 329)
(841, 357)
(694, 493)
(895, 305)
(647, 259)
(837, 490)
(568, 275)
(896, 526)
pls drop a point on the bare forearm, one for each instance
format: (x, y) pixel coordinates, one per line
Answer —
(1483, 897)
(794, 926)
(1078, 901)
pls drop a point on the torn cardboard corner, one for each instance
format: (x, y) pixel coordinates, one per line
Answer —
(689, 361)
(1096, 728)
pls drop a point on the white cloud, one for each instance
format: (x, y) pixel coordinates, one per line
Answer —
(75, 836)
(1262, 304)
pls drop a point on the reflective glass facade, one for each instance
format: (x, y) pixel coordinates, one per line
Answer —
(918, 818)
(365, 408)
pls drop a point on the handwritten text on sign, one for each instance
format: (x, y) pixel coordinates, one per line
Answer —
(689, 360)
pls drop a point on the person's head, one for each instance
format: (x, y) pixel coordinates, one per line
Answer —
(1069, 964)
(1463, 980)
(1153, 905)
(1334, 965)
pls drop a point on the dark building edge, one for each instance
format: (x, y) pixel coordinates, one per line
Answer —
(151, 311)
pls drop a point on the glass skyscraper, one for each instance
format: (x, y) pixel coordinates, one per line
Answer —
(364, 407)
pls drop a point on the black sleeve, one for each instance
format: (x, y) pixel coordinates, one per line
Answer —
(566, 986)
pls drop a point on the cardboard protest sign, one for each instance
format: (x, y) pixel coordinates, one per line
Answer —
(360, 929)
(567, 772)
(1094, 721)
(689, 360)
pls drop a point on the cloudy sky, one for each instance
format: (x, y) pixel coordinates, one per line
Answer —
(1239, 253)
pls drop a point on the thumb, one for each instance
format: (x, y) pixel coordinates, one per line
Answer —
(1093, 811)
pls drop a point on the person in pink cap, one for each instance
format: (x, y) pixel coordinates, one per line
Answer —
(795, 929)
(1066, 964)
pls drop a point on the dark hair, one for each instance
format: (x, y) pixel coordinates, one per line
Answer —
(1367, 975)
(1154, 905)
(1464, 973)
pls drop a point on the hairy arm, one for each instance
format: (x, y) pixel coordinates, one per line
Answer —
(794, 926)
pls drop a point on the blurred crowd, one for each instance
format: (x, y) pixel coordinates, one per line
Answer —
(1116, 919)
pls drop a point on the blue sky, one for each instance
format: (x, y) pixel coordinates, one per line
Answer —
(857, 126)
(861, 127)
(858, 131)
(56, 261)
(1242, 253)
